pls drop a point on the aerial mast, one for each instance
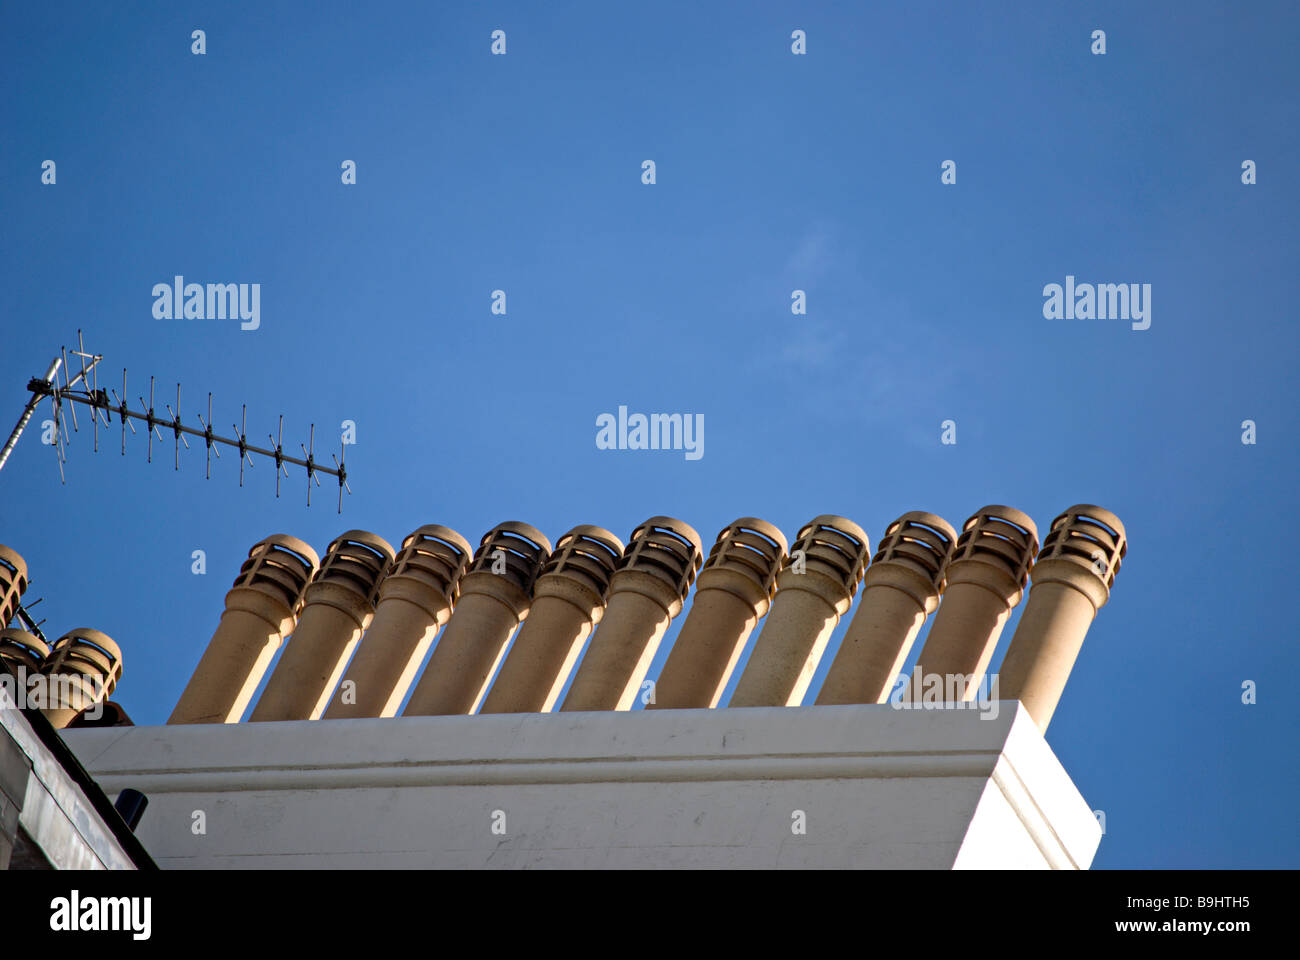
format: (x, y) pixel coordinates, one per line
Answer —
(83, 389)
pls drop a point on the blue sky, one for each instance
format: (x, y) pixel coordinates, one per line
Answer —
(774, 172)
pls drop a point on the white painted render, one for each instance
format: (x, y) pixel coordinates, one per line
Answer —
(878, 787)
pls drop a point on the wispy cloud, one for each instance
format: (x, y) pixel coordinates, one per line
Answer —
(814, 256)
(860, 349)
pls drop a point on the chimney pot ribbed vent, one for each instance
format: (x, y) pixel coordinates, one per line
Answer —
(752, 547)
(901, 588)
(282, 566)
(436, 556)
(667, 548)
(339, 605)
(1072, 580)
(588, 553)
(261, 608)
(13, 582)
(86, 651)
(1090, 536)
(1002, 537)
(835, 546)
(920, 541)
(20, 648)
(90, 664)
(356, 560)
(525, 548)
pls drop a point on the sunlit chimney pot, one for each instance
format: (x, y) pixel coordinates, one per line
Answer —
(814, 590)
(416, 598)
(733, 592)
(1071, 581)
(495, 597)
(985, 580)
(568, 600)
(338, 606)
(260, 611)
(647, 590)
(901, 589)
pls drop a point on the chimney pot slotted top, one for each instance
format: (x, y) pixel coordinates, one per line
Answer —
(1002, 537)
(752, 547)
(436, 556)
(18, 647)
(1090, 536)
(357, 560)
(13, 582)
(85, 652)
(667, 548)
(836, 545)
(589, 553)
(282, 566)
(921, 541)
(524, 547)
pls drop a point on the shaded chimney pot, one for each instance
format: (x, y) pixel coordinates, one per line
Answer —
(13, 583)
(83, 668)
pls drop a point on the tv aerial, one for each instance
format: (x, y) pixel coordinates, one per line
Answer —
(83, 389)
